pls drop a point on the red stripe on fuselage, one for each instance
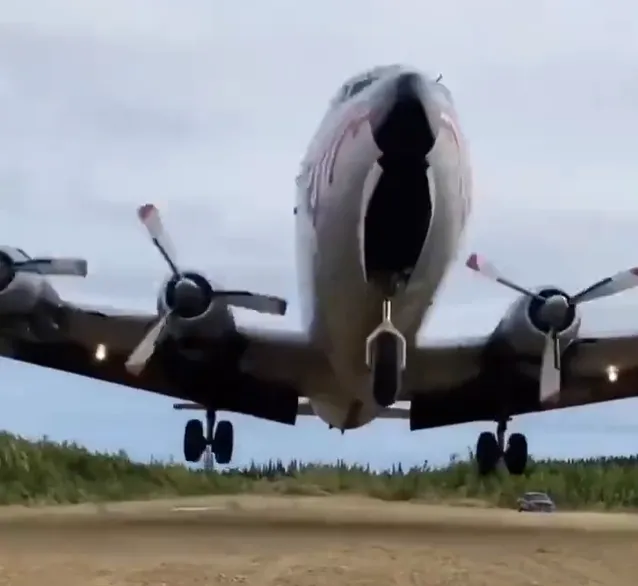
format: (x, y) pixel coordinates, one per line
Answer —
(351, 127)
(322, 173)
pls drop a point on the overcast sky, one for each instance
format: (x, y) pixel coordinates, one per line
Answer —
(205, 108)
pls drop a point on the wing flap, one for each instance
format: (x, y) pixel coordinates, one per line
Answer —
(305, 409)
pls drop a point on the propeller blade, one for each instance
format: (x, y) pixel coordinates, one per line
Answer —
(72, 267)
(149, 216)
(485, 268)
(609, 286)
(550, 370)
(254, 301)
(144, 350)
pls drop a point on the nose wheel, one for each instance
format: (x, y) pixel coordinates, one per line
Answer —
(219, 439)
(490, 448)
(386, 358)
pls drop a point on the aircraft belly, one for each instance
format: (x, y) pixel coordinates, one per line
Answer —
(337, 399)
(344, 414)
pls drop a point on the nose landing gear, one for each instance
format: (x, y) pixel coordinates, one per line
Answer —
(221, 442)
(386, 358)
(490, 448)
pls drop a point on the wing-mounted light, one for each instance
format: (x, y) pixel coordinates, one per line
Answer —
(188, 294)
(551, 311)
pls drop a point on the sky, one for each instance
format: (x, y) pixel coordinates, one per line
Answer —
(205, 109)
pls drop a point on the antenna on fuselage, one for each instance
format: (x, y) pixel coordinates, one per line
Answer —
(439, 77)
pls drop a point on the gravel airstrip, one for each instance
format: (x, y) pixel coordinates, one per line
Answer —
(311, 541)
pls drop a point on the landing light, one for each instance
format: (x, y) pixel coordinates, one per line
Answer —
(100, 352)
(612, 373)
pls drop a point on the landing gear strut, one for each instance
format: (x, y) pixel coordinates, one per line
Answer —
(220, 440)
(491, 447)
(386, 357)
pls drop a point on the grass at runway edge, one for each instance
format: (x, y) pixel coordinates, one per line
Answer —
(43, 471)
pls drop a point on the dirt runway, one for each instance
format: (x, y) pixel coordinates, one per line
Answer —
(267, 541)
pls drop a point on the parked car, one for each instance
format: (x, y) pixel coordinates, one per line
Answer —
(536, 502)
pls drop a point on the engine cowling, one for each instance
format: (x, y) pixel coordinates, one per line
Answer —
(524, 329)
(190, 297)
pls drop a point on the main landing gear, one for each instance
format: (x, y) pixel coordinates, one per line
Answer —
(220, 442)
(491, 447)
(386, 358)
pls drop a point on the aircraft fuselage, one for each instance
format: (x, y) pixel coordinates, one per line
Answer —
(382, 202)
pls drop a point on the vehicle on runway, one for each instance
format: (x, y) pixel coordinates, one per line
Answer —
(383, 197)
(535, 502)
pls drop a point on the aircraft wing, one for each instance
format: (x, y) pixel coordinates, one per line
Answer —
(452, 383)
(272, 368)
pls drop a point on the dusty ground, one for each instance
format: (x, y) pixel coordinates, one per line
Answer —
(311, 542)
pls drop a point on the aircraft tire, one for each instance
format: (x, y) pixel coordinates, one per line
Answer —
(223, 442)
(194, 440)
(386, 372)
(516, 454)
(487, 453)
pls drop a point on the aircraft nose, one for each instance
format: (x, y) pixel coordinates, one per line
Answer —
(399, 119)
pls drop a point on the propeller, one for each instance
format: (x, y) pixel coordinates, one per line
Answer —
(50, 266)
(188, 294)
(554, 311)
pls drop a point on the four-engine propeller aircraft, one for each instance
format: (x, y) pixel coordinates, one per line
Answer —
(383, 198)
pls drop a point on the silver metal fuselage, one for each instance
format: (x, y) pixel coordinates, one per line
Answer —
(340, 307)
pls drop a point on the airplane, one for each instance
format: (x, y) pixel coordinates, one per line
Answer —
(383, 198)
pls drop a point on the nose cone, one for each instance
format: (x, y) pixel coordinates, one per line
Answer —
(555, 310)
(399, 119)
(188, 298)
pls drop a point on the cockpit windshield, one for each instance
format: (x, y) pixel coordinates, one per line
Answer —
(353, 87)
(357, 86)
(358, 83)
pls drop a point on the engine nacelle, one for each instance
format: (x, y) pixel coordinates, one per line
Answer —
(525, 331)
(21, 293)
(195, 313)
